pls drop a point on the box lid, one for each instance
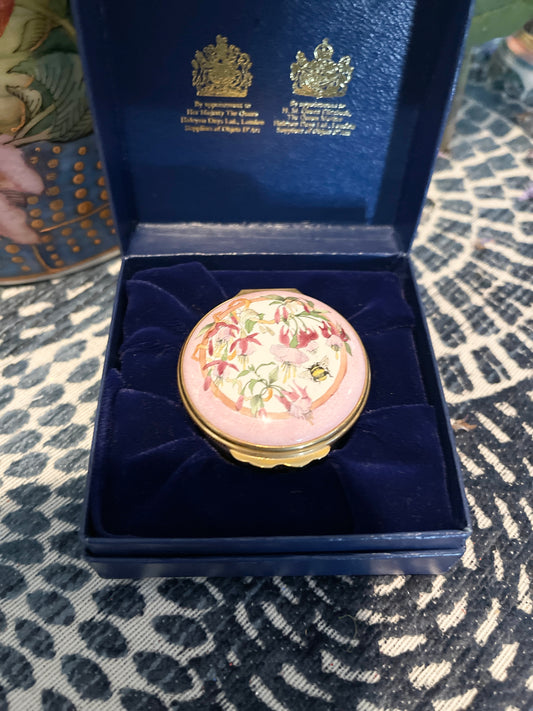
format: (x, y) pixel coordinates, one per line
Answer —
(280, 112)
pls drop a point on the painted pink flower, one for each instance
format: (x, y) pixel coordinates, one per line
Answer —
(226, 333)
(297, 402)
(284, 336)
(306, 337)
(16, 177)
(343, 335)
(221, 366)
(239, 402)
(324, 328)
(245, 345)
(335, 333)
(335, 342)
(223, 331)
(285, 354)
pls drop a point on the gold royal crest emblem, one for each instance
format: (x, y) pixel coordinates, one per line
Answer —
(221, 70)
(321, 77)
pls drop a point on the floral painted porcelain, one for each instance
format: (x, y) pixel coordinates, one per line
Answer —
(274, 377)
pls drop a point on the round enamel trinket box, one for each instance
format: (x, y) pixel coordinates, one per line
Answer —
(274, 377)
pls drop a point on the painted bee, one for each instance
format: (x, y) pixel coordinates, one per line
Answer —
(318, 371)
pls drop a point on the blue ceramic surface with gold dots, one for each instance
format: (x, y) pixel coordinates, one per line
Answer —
(71, 216)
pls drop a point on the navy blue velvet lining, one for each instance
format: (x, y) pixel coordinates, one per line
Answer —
(155, 475)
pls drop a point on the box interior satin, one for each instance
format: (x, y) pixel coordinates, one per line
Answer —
(156, 476)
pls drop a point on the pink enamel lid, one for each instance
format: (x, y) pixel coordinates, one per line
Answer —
(274, 377)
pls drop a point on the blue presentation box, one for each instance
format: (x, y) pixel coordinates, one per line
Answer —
(269, 145)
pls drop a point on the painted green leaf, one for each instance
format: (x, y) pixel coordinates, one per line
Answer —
(34, 31)
(256, 403)
(294, 341)
(57, 41)
(273, 375)
(61, 76)
(248, 325)
(59, 7)
(498, 18)
(204, 329)
(348, 349)
(32, 98)
(243, 372)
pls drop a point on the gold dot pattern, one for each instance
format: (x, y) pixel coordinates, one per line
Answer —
(62, 222)
(85, 207)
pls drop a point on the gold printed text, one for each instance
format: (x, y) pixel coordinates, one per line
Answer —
(315, 118)
(222, 117)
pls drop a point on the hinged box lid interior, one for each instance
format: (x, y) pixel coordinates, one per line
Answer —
(201, 121)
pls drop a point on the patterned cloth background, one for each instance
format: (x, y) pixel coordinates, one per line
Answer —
(69, 640)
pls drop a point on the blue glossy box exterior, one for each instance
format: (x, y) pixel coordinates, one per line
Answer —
(308, 201)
